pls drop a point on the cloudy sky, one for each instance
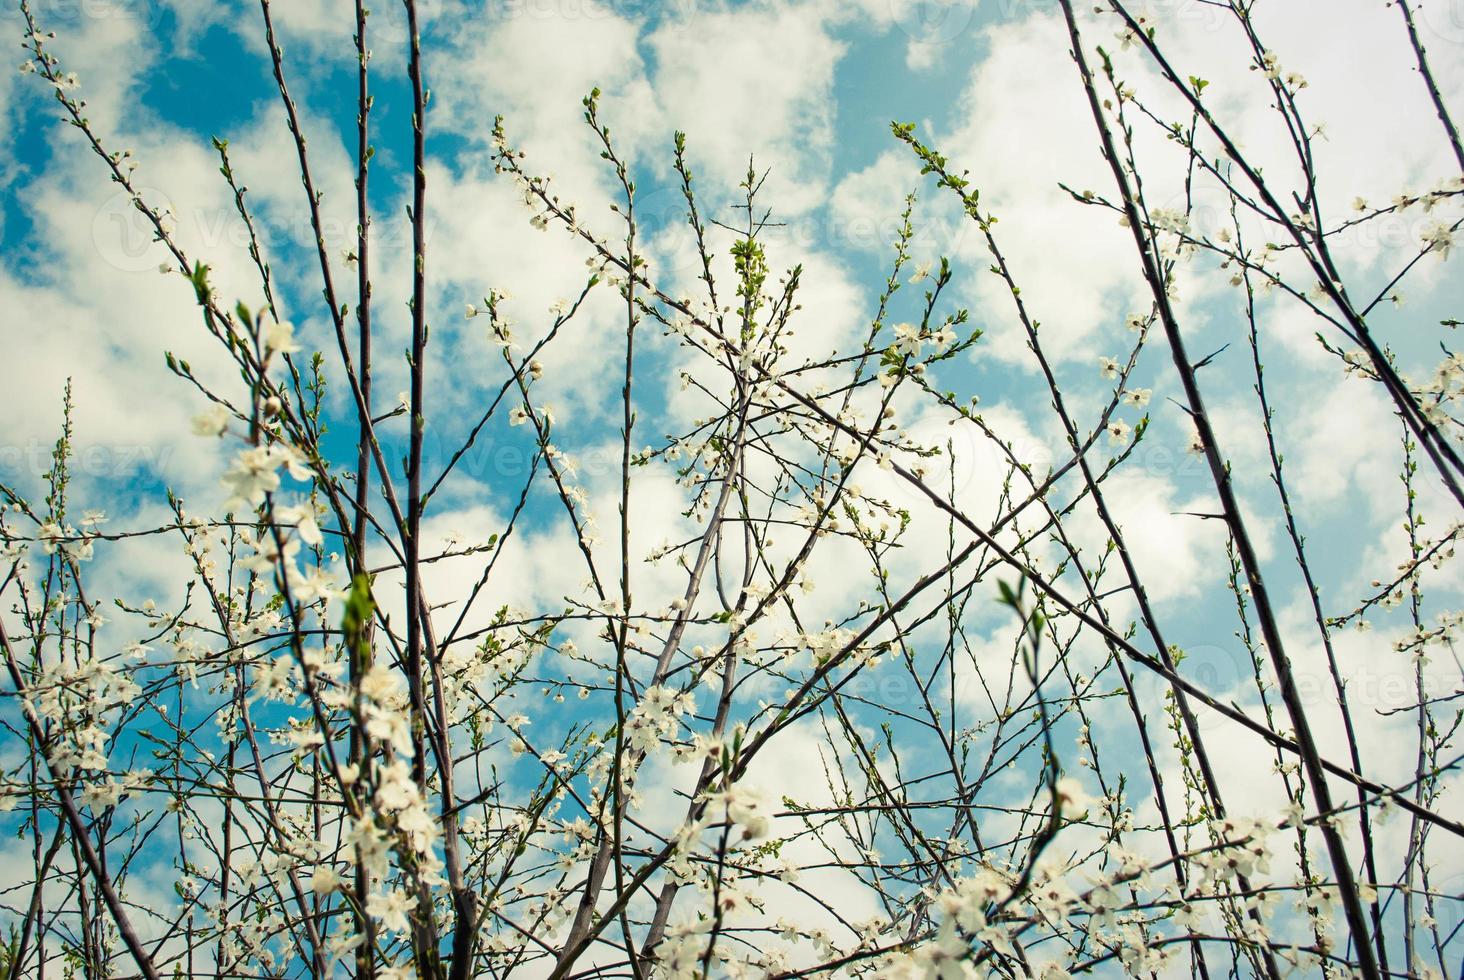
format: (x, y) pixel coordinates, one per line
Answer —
(805, 90)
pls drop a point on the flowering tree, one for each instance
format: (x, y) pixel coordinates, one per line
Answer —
(334, 757)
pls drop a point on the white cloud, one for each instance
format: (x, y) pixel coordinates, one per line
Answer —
(782, 111)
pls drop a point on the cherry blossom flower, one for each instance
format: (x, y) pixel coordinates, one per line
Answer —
(907, 340)
(1071, 798)
(279, 337)
(390, 909)
(100, 796)
(1440, 238)
(212, 422)
(324, 880)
